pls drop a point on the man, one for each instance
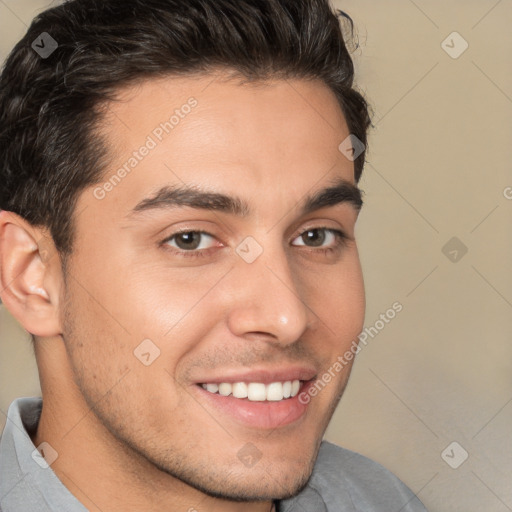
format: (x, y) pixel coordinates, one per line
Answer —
(179, 199)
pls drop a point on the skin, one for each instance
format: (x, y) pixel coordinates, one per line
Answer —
(135, 437)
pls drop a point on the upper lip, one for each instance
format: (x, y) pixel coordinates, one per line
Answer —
(266, 376)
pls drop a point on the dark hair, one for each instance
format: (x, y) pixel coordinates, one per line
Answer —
(51, 105)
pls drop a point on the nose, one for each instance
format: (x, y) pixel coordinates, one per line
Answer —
(268, 300)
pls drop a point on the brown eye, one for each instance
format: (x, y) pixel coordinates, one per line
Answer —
(189, 240)
(320, 237)
(313, 237)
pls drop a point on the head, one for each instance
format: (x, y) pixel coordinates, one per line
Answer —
(176, 211)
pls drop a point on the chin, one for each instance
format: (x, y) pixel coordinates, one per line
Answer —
(266, 480)
(262, 486)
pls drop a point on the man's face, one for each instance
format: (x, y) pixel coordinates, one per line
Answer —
(149, 317)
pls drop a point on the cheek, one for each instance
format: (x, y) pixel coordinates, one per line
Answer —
(97, 342)
(123, 367)
(350, 316)
(136, 298)
(338, 298)
(155, 296)
(131, 335)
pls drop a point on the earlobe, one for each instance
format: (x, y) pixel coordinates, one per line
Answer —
(27, 276)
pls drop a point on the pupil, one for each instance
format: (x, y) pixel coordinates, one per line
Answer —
(316, 236)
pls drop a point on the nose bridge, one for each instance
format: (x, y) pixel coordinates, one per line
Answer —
(268, 299)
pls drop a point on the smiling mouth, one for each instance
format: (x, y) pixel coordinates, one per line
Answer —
(256, 391)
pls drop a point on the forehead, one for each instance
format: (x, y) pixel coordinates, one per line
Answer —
(278, 137)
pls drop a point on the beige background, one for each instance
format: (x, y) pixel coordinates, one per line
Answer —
(439, 163)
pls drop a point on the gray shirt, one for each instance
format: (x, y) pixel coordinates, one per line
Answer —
(342, 481)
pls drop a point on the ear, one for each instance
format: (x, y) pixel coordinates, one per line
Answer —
(30, 275)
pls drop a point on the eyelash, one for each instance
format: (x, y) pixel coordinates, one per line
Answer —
(341, 239)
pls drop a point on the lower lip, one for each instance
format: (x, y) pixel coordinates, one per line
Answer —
(263, 415)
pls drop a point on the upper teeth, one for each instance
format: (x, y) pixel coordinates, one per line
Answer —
(256, 391)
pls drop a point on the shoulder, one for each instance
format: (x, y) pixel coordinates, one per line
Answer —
(349, 482)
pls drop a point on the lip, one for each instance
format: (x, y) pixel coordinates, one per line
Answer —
(266, 376)
(260, 415)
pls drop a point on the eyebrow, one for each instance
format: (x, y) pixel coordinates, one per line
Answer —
(340, 191)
